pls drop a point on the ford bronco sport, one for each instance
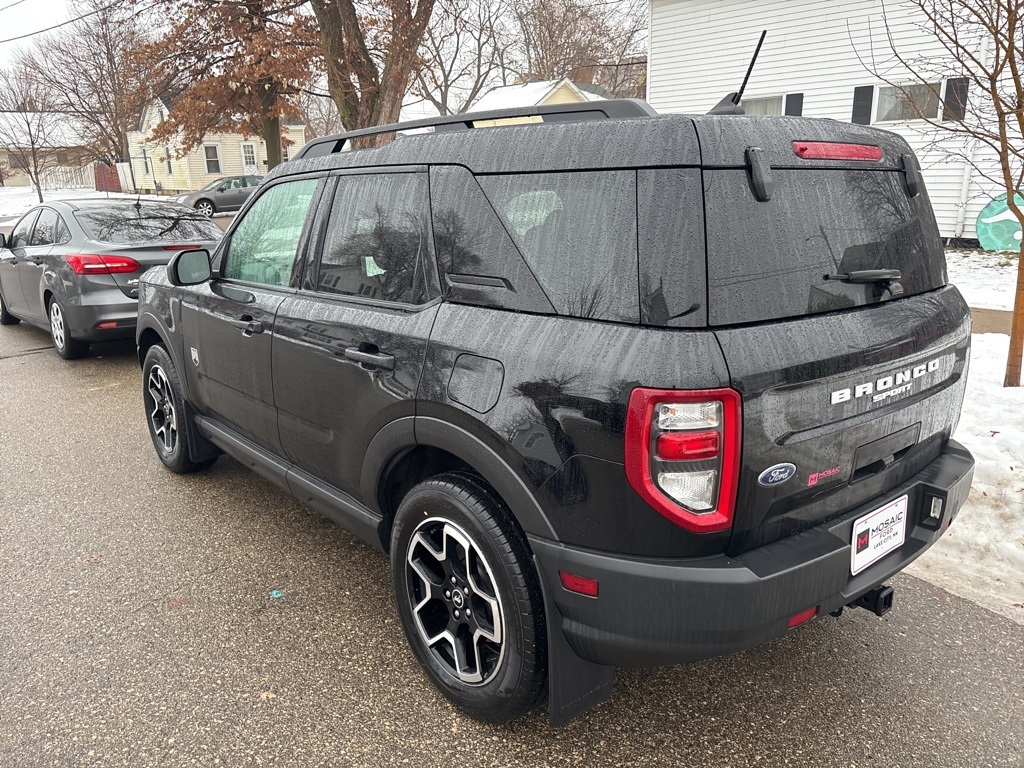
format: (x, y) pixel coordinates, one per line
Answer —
(611, 388)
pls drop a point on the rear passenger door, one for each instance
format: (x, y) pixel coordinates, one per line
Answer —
(48, 229)
(228, 322)
(349, 347)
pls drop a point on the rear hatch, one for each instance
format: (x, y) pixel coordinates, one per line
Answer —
(130, 239)
(858, 385)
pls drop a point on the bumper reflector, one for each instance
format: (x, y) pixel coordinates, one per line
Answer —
(107, 325)
(579, 584)
(803, 616)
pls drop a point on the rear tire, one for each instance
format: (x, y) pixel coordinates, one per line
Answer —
(6, 318)
(469, 597)
(60, 334)
(165, 410)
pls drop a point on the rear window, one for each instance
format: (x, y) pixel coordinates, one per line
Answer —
(147, 223)
(767, 260)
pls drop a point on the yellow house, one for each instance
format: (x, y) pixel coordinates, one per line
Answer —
(536, 93)
(156, 167)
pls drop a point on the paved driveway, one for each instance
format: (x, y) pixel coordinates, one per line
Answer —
(137, 628)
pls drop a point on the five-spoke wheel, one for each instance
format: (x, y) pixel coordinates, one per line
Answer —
(163, 418)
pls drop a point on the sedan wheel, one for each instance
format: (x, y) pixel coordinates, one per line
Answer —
(205, 207)
(66, 346)
(6, 318)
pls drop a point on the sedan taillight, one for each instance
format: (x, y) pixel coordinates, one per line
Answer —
(683, 454)
(97, 264)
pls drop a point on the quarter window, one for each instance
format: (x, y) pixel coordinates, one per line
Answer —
(212, 153)
(911, 102)
(265, 242)
(378, 244)
(577, 232)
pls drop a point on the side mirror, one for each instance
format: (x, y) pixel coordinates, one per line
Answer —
(190, 268)
(3, 241)
(223, 187)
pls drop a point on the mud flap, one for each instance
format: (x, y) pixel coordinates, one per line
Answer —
(575, 685)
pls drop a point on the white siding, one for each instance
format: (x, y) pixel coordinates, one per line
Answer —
(700, 49)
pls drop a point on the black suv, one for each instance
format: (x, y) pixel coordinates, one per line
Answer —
(611, 389)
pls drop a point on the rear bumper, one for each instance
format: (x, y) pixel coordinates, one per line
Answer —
(655, 612)
(109, 305)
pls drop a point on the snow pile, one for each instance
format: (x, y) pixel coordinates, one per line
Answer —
(981, 556)
(14, 201)
(987, 279)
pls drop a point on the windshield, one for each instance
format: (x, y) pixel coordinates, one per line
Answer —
(146, 223)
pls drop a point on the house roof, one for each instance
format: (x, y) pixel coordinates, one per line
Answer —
(528, 94)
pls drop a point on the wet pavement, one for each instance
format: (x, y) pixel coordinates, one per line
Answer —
(148, 619)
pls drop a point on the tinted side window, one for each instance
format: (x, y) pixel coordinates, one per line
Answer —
(265, 242)
(378, 239)
(62, 234)
(577, 231)
(19, 237)
(45, 229)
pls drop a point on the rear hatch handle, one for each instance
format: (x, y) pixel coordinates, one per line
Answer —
(886, 279)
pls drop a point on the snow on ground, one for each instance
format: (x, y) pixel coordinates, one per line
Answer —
(14, 201)
(981, 556)
(987, 279)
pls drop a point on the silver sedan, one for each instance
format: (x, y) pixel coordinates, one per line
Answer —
(227, 194)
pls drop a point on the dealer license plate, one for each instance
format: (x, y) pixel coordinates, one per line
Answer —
(878, 533)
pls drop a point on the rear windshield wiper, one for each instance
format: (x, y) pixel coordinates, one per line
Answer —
(884, 278)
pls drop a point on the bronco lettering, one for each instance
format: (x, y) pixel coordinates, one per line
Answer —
(903, 381)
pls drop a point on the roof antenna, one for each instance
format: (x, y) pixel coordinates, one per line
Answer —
(730, 105)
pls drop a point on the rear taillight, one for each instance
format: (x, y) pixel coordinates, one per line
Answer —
(683, 454)
(829, 150)
(97, 264)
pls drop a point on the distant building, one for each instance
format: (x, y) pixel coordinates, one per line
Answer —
(156, 167)
(809, 65)
(65, 159)
(537, 93)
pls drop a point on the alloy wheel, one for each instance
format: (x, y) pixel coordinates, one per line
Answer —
(205, 208)
(57, 329)
(163, 416)
(455, 603)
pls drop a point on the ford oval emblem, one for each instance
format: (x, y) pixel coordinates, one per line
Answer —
(777, 475)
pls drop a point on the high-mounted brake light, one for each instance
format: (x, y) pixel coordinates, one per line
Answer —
(683, 454)
(96, 264)
(828, 150)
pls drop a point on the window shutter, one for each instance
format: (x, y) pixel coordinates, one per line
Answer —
(954, 105)
(863, 95)
(794, 104)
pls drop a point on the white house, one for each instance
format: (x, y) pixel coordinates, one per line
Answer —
(809, 65)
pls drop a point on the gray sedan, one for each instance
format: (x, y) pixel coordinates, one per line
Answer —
(73, 268)
(227, 194)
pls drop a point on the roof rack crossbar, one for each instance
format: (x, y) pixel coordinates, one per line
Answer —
(585, 110)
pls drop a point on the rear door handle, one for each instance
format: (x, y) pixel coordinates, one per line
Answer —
(248, 325)
(376, 359)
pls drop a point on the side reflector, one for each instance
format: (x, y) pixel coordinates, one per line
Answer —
(803, 616)
(827, 150)
(578, 584)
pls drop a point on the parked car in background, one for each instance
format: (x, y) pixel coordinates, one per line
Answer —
(227, 194)
(74, 268)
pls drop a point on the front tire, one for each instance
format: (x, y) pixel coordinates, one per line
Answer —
(165, 411)
(469, 597)
(206, 208)
(67, 347)
(6, 318)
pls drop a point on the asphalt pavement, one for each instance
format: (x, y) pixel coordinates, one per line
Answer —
(148, 619)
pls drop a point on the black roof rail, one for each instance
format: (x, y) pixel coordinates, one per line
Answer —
(586, 110)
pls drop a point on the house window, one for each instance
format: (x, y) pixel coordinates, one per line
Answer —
(212, 154)
(167, 160)
(909, 102)
(772, 105)
(284, 153)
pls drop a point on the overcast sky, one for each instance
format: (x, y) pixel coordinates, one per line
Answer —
(21, 18)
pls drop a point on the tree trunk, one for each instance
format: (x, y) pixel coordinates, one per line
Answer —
(272, 135)
(1013, 362)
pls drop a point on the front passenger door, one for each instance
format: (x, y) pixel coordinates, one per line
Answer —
(228, 322)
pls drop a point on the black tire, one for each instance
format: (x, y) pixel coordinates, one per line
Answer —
(6, 318)
(205, 207)
(496, 578)
(67, 347)
(161, 394)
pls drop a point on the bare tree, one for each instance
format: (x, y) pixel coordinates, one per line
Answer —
(983, 41)
(371, 52)
(319, 112)
(34, 136)
(90, 72)
(464, 53)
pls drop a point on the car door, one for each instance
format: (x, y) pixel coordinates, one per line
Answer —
(31, 269)
(228, 322)
(234, 196)
(10, 265)
(349, 347)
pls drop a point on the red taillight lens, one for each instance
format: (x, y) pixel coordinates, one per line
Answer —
(579, 584)
(828, 150)
(683, 454)
(803, 616)
(96, 264)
